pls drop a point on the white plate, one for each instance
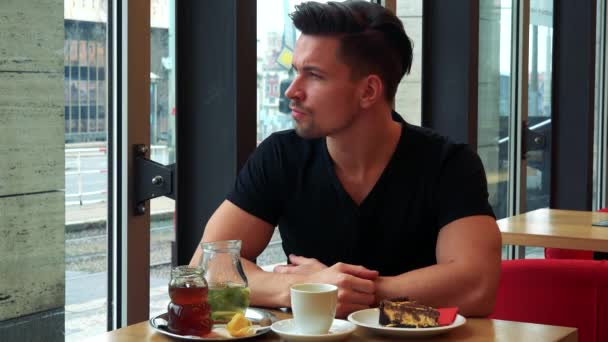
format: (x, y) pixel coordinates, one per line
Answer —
(368, 319)
(339, 330)
(159, 324)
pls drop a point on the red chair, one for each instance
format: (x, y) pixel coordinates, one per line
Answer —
(560, 253)
(571, 293)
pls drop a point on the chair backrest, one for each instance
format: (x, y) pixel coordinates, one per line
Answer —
(561, 292)
(561, 253)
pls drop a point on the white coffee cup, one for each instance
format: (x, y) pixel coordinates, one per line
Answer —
(313, 307)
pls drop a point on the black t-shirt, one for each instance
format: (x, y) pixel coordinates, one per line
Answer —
(429, 182)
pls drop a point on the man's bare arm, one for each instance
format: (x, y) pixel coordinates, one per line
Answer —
(229, 222)
(466, 274)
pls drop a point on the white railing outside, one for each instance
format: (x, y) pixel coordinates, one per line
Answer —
(76, 159)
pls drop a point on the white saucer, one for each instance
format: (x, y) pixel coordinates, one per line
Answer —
(339, 330)
(368, 319)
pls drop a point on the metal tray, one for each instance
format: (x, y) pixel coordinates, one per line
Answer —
(255, 315)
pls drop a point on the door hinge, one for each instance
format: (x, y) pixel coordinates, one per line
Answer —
(152, 179)
(535, 138)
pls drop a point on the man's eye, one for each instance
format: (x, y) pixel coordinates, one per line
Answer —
(313, 75)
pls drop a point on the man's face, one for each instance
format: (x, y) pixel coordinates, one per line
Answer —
(324, 98)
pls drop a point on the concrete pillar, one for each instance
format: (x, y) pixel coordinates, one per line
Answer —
(32, 276)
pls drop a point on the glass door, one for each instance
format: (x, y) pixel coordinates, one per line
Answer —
(496, 77)
(514, 128)
(538, 172)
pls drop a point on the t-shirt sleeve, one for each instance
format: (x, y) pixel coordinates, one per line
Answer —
(259, 186)
(463, 189)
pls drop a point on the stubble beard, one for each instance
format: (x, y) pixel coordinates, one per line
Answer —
(307, 129)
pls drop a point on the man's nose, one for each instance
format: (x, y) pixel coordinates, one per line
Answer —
(294, 92)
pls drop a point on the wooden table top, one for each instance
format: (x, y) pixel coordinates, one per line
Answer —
(556, 228)
(478, 329)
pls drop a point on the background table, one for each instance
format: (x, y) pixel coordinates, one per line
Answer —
(556, 228)
(478, 329)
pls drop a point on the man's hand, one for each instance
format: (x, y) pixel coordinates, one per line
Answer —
(356, 288)
(300, 265)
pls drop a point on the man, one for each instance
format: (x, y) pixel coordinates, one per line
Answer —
(363, 200)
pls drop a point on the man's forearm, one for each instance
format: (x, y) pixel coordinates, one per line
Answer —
(268, 288)
(473, 291)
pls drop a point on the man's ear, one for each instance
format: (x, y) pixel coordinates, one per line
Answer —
(372, 91)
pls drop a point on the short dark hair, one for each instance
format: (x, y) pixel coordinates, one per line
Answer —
(372, 39)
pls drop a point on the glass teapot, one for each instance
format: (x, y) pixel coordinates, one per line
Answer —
(228, 289)
(188, 311)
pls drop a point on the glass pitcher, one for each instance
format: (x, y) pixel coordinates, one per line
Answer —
(228, 289)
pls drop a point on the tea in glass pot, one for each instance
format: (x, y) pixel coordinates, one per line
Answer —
(228, 289)
(189, 311)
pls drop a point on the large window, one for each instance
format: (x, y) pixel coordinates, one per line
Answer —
(538, 173)
(85, 80)
(500, 104)
(276, 37)
(495, 98)
(408, 100)
(162, 143)
(600, 146)
(86, 170)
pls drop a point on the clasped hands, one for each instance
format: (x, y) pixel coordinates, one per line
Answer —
(356, 286)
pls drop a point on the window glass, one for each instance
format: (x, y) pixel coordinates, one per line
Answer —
(408, 100)
(538, 173)
(86, 181)
(540, 56)
(600, 118)
(275, 43)
(494, 99)
(162, 143)
(496, 107)
(276, 38)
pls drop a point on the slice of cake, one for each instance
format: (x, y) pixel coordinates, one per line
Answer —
(406, 313)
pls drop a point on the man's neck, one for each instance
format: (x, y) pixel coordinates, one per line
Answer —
(365, 148)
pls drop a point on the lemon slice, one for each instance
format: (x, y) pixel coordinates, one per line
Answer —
(240, 326)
